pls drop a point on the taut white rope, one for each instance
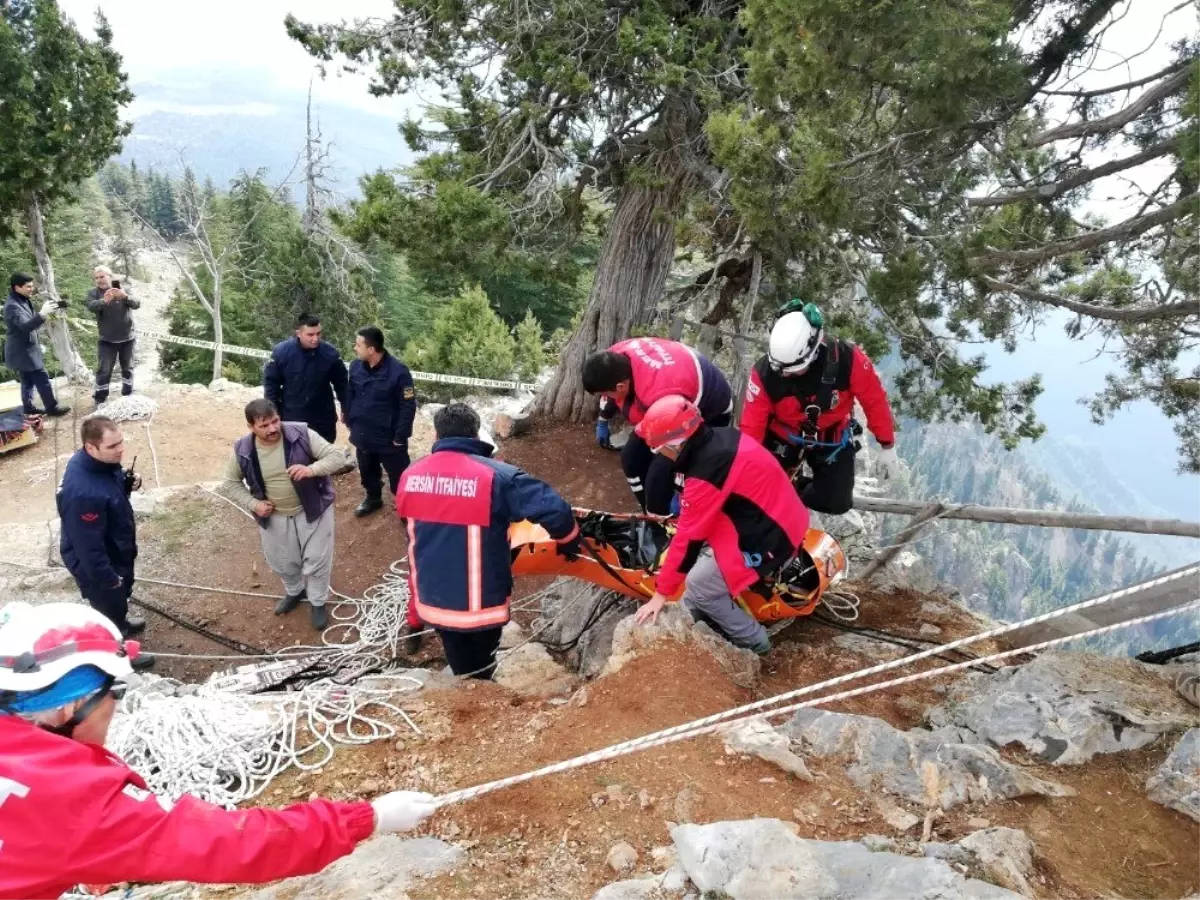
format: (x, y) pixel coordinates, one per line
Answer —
(696, 729)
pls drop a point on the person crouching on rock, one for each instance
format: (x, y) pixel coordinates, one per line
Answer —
(458, 503)
(75, 813)
(280, 472)
(739, 519)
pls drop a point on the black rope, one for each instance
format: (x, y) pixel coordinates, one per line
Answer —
(910, 643)
(248, 649)
(1157, 657)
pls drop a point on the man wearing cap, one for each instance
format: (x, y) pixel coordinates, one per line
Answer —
(74, 813)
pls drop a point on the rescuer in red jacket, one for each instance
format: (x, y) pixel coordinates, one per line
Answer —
(739, 519)
(630, 376)
(73, 813)
(800, 401)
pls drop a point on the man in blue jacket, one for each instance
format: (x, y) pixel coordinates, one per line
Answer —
(22, 352)
(459, 503)
(99, 537)
(381, 404)
(302, 377)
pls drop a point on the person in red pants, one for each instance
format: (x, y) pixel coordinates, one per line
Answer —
(74, 813)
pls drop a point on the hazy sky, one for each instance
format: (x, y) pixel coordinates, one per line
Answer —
(165, 41)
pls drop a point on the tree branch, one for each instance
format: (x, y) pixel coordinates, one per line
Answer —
(1075, 179)
(1107, 313)
(1128, 228)
(1116, 88)
(1117, 120)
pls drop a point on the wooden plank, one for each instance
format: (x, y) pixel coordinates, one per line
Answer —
(931, 510)
(1043, 518)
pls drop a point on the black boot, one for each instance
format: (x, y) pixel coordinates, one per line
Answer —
(133, 625)
(142, 661)
(58, 411)
(290, 602)
(319, 617)
(368, 506)
(410, 640)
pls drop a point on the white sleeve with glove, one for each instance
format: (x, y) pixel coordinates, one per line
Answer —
(48, 307)
(887, 463)
(402, 810)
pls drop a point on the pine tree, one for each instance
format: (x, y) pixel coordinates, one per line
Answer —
(530, 347)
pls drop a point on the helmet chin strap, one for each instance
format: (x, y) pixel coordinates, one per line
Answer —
(67, 728)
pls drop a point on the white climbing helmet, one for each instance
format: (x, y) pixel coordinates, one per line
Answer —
(794, 344)
(41, 644)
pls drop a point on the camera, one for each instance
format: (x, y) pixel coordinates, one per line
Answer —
(116, 284)
(62, 303)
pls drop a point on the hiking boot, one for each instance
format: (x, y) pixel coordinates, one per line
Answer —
(35, 412)
(368, 506)
(319, 617)
(290, 602)
(58, 411)
(133, 625)
(410, 639)
(142, 662)
(1188, 686)
(763, 647)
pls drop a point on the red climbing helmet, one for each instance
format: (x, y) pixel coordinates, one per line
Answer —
(670, 420)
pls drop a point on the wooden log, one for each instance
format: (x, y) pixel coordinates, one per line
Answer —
(905, 537)
(1043, 518)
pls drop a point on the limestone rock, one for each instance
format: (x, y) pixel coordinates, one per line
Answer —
(564, 613)
(621, 857)
(742, 666)
(1067, 707)
(531, 671)
(763, 858)
(511, 635)
(1176, 784)
(757, 738)
(896, 816)
(898, 762)
(1005, 856)
(633, 889)
(381, 868)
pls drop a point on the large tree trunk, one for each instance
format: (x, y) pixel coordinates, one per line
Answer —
(634, 261)
(72, 363)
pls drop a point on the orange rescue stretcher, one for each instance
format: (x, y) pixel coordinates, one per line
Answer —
(622, 552)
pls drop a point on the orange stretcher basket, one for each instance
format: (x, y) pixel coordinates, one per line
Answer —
(622, 551)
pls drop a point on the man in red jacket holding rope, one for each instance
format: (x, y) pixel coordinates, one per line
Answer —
(71, 812)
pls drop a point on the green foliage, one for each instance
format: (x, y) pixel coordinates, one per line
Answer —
(60, 101)
(530, 349)
(467, 338)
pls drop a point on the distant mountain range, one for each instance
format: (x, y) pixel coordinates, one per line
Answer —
(222, 124)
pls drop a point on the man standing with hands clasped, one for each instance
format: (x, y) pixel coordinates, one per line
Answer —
(280, 472)
(112, 304)
(381, 405)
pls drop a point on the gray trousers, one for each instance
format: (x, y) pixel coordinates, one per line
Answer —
(706, 596)
(301, 554)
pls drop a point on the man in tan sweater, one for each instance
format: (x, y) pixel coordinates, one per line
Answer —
(280, 472)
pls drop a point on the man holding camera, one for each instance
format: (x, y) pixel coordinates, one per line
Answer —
(112, 304)
(22, 352)
(99, 535)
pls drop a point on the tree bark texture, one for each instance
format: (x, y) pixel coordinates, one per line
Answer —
(637, 254)
(72, 363)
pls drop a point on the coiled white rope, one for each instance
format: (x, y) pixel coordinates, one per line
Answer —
(226, 748)
(131, 408)
(733, 717)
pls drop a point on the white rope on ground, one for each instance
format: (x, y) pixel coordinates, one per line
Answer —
(1189, 572)
(842, 604)
(695, 729)
(130, 408)
(153, 453)
(226, 748)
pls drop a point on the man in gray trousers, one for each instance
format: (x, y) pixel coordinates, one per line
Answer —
(112, 304)
(280, 472)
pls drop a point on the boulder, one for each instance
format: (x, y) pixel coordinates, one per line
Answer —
(567, 608)
(757, 738)
(1067, 707)
(675, 623)
(621, 857)
(1176, 783)
(1004, 855)
(381, 868)
(913, 764)
(764, 858)
(633, 889)
(511, 635)
(531, 671)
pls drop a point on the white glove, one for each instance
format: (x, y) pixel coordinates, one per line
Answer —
(402, 810)
(887, 463)
(48, 307)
